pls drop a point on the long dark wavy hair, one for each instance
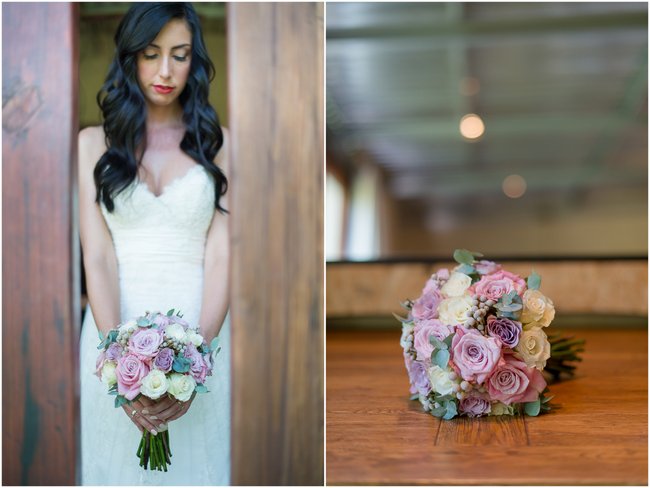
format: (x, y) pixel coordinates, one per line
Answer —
(124, 109)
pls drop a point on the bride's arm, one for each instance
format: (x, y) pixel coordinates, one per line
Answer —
(98, 252)
(216, 286)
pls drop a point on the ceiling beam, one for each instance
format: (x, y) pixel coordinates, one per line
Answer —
(500, 28)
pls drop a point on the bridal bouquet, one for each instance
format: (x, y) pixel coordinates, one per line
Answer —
(154, 355)
(475, 343)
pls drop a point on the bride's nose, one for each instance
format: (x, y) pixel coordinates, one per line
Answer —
(165, 68)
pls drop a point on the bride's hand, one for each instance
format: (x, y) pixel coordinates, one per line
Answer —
(141, 420)
(166, 409)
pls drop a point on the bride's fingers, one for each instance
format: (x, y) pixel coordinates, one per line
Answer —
(140, 420)
(167, 414)
(180, 413)
(159, 406)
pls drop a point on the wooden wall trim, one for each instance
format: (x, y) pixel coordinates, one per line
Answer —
(601, 287)
(40, 262)
(275, 53)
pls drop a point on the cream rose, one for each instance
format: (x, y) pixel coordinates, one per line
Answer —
(456, 286)
(537, 308)
(154, 385)
(128, 327)
(534, 348)
(176, 332)
(440, 381)
(109, 378)
(454, 310)
(181, 386)
(406, 341)
(194, 337)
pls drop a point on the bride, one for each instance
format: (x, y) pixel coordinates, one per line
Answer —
(154, 232)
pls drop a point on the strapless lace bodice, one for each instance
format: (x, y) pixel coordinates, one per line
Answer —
(159, 242)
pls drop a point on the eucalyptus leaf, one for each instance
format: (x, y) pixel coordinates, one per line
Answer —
(451, 410)
(444, 398)
(442, 358)
(400, 318)
(143, 322)
(415, 396)
(463, 256)
(201, 388)
(120, 400)
(170, 312)
(214, 343)
(101, 336)
(438, 412)
(534, 281)
(532, 408)
(181, 365)
(448, 340)
(437, 343)
(466, 269)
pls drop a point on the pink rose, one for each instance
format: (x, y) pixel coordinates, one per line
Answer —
(418, 376)
(130, 371)
(426, 307)
(434, 284)
(474, 355)
(484, 267)
(514, 382)
(425, 329)
(198, 368)
(144, 343)
(99, 364)
(495, 285)
(475, 405)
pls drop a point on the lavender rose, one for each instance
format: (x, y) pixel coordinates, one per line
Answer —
(130, 371)
(425, 329)
(145, 342)
(164, 360)
(475, 405)
(514, 382)
(162, 321)
(426, 307)
(417, 376)
(474, 355)
(198, 368)
(495, 285)
(484, 267)
(506, 330)
(114, 352)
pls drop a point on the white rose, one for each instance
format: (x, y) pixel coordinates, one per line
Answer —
(456, 286)
(154, 385)
(499, 408)
(407, 328)
(440, 380)
(534, 348)
(181, 386)
(194, 338)
(128, 326)
(176, 332)
(537, 308)
(108, 373)
(452, 311)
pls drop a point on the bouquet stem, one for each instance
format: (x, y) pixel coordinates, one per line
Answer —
(154, 451)
(564, 350)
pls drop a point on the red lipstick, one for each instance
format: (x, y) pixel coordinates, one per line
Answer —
(163, 89)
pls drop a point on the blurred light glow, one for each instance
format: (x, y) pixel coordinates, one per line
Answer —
(469, 86)
(514, 186)
(471, 126)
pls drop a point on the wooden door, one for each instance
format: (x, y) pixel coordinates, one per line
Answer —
(40, 262)
(276, 120)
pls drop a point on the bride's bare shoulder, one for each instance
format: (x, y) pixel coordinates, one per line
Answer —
(92, 144)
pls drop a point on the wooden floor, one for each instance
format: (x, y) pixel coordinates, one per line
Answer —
(598, 435)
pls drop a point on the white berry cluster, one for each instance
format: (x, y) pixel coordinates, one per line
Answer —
(477, 314)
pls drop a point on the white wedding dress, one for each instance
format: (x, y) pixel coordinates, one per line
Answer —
(160, 243)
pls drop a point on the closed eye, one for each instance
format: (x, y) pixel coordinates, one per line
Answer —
(180, 58)
(150, 56)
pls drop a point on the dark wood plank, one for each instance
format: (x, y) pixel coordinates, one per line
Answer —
(276, 78)
(597, 435)
(40, 263)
